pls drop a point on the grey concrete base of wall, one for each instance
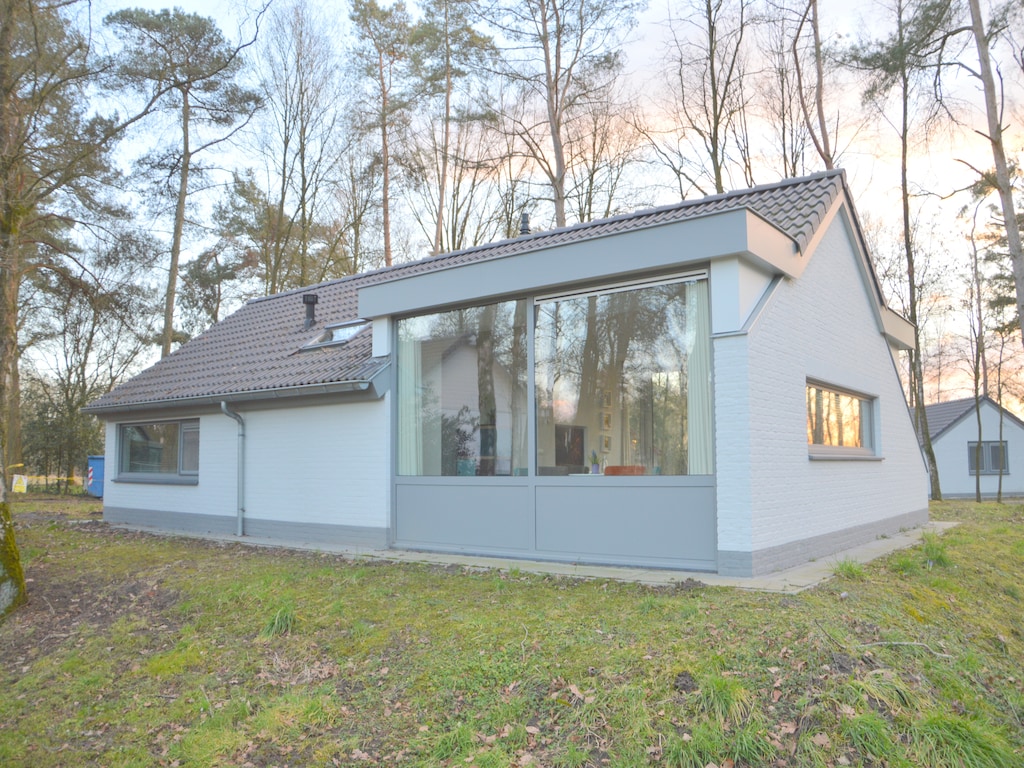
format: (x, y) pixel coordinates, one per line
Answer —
(1007, 496)
(279, 531)
(793, 553)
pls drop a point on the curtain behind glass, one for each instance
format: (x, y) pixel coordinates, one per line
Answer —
(698, 391)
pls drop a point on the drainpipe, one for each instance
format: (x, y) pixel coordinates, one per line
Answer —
(241, 465)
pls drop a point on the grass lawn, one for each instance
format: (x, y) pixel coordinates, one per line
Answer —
(138, 650)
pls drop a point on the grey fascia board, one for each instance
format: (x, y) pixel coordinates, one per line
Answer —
(659, 247)
(897, 329)
(303, 390)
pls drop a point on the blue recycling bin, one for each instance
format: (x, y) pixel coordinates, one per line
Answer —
(94, 477)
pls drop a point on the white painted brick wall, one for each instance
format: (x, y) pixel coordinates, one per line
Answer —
(951, 455)
(820, 326)
(215, 494)
(313, 464)
(319, 464)
(732, 444)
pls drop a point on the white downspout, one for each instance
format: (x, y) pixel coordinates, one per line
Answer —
(241, 465)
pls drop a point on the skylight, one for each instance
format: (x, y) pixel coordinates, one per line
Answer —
(338, 334)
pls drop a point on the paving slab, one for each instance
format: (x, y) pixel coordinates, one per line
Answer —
(789, 581)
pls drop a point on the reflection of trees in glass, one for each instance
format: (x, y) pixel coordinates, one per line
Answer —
(635, 345)
(473, 360)
(834, 418)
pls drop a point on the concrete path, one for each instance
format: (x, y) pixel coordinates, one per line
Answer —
(791, 580)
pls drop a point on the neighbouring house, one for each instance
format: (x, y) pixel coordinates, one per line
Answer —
(963, 457)
(705, 386)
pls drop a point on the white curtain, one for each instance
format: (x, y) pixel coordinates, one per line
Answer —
(698, 390)
(410, 407)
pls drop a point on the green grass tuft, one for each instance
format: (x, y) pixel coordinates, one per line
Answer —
(849, 569)
(934, 550)
(725, 698)
(941, 740)
(283, 622)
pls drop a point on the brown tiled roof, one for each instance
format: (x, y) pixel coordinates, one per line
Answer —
(257, 351)
(942, 416)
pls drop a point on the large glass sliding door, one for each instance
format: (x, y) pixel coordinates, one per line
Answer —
(623, 381)
(621, 385)
(462, 392)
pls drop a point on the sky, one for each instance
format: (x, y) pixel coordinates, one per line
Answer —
(871, 162)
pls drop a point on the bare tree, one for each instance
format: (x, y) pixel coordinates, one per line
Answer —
(903, 65)
(779, 98)
(605, 145)
(706, 63)
(561, 55)
(302, 140)
(810, 87)
(996, 137)
(448, 53)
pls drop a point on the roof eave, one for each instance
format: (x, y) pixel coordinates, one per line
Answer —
(734, 232)
(369, 386)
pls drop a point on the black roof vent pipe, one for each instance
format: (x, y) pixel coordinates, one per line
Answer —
(310, 300)
(524, 225)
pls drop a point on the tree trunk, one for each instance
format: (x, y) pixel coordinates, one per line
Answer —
(486, 401)
(817, 128)
(916, 367)
(995, 137)
(977, 446)
(12, 579)
(179, 227)
(385, 158)
(446, 128)
(14, 454)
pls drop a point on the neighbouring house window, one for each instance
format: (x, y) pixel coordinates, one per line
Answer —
(991, 459)
(462, 392)
(163, 448)
(623, 380)
(838, 419)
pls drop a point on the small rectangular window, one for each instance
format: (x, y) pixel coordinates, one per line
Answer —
(987, 458)
(159, 450)
(839, 420)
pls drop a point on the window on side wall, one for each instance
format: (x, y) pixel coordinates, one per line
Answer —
(159, 452)
(839, 422)
(987, 458)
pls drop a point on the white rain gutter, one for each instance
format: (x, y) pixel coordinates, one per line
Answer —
(241, 465)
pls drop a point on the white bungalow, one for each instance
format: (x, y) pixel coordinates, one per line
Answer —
(991, 459)
(705, 386)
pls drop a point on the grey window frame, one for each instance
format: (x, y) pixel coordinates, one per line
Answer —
(181, 475)
(868, 428)
(327, 337)
(986, 458)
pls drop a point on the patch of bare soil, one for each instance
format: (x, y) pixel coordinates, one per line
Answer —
(63, 604)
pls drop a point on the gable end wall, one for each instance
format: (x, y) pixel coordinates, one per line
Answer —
(821, 326)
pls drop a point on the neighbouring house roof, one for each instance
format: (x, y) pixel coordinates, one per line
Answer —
(944, 416)
(257, 352)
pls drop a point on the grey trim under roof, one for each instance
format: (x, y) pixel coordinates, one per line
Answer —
(944, 416)
(257, 352)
